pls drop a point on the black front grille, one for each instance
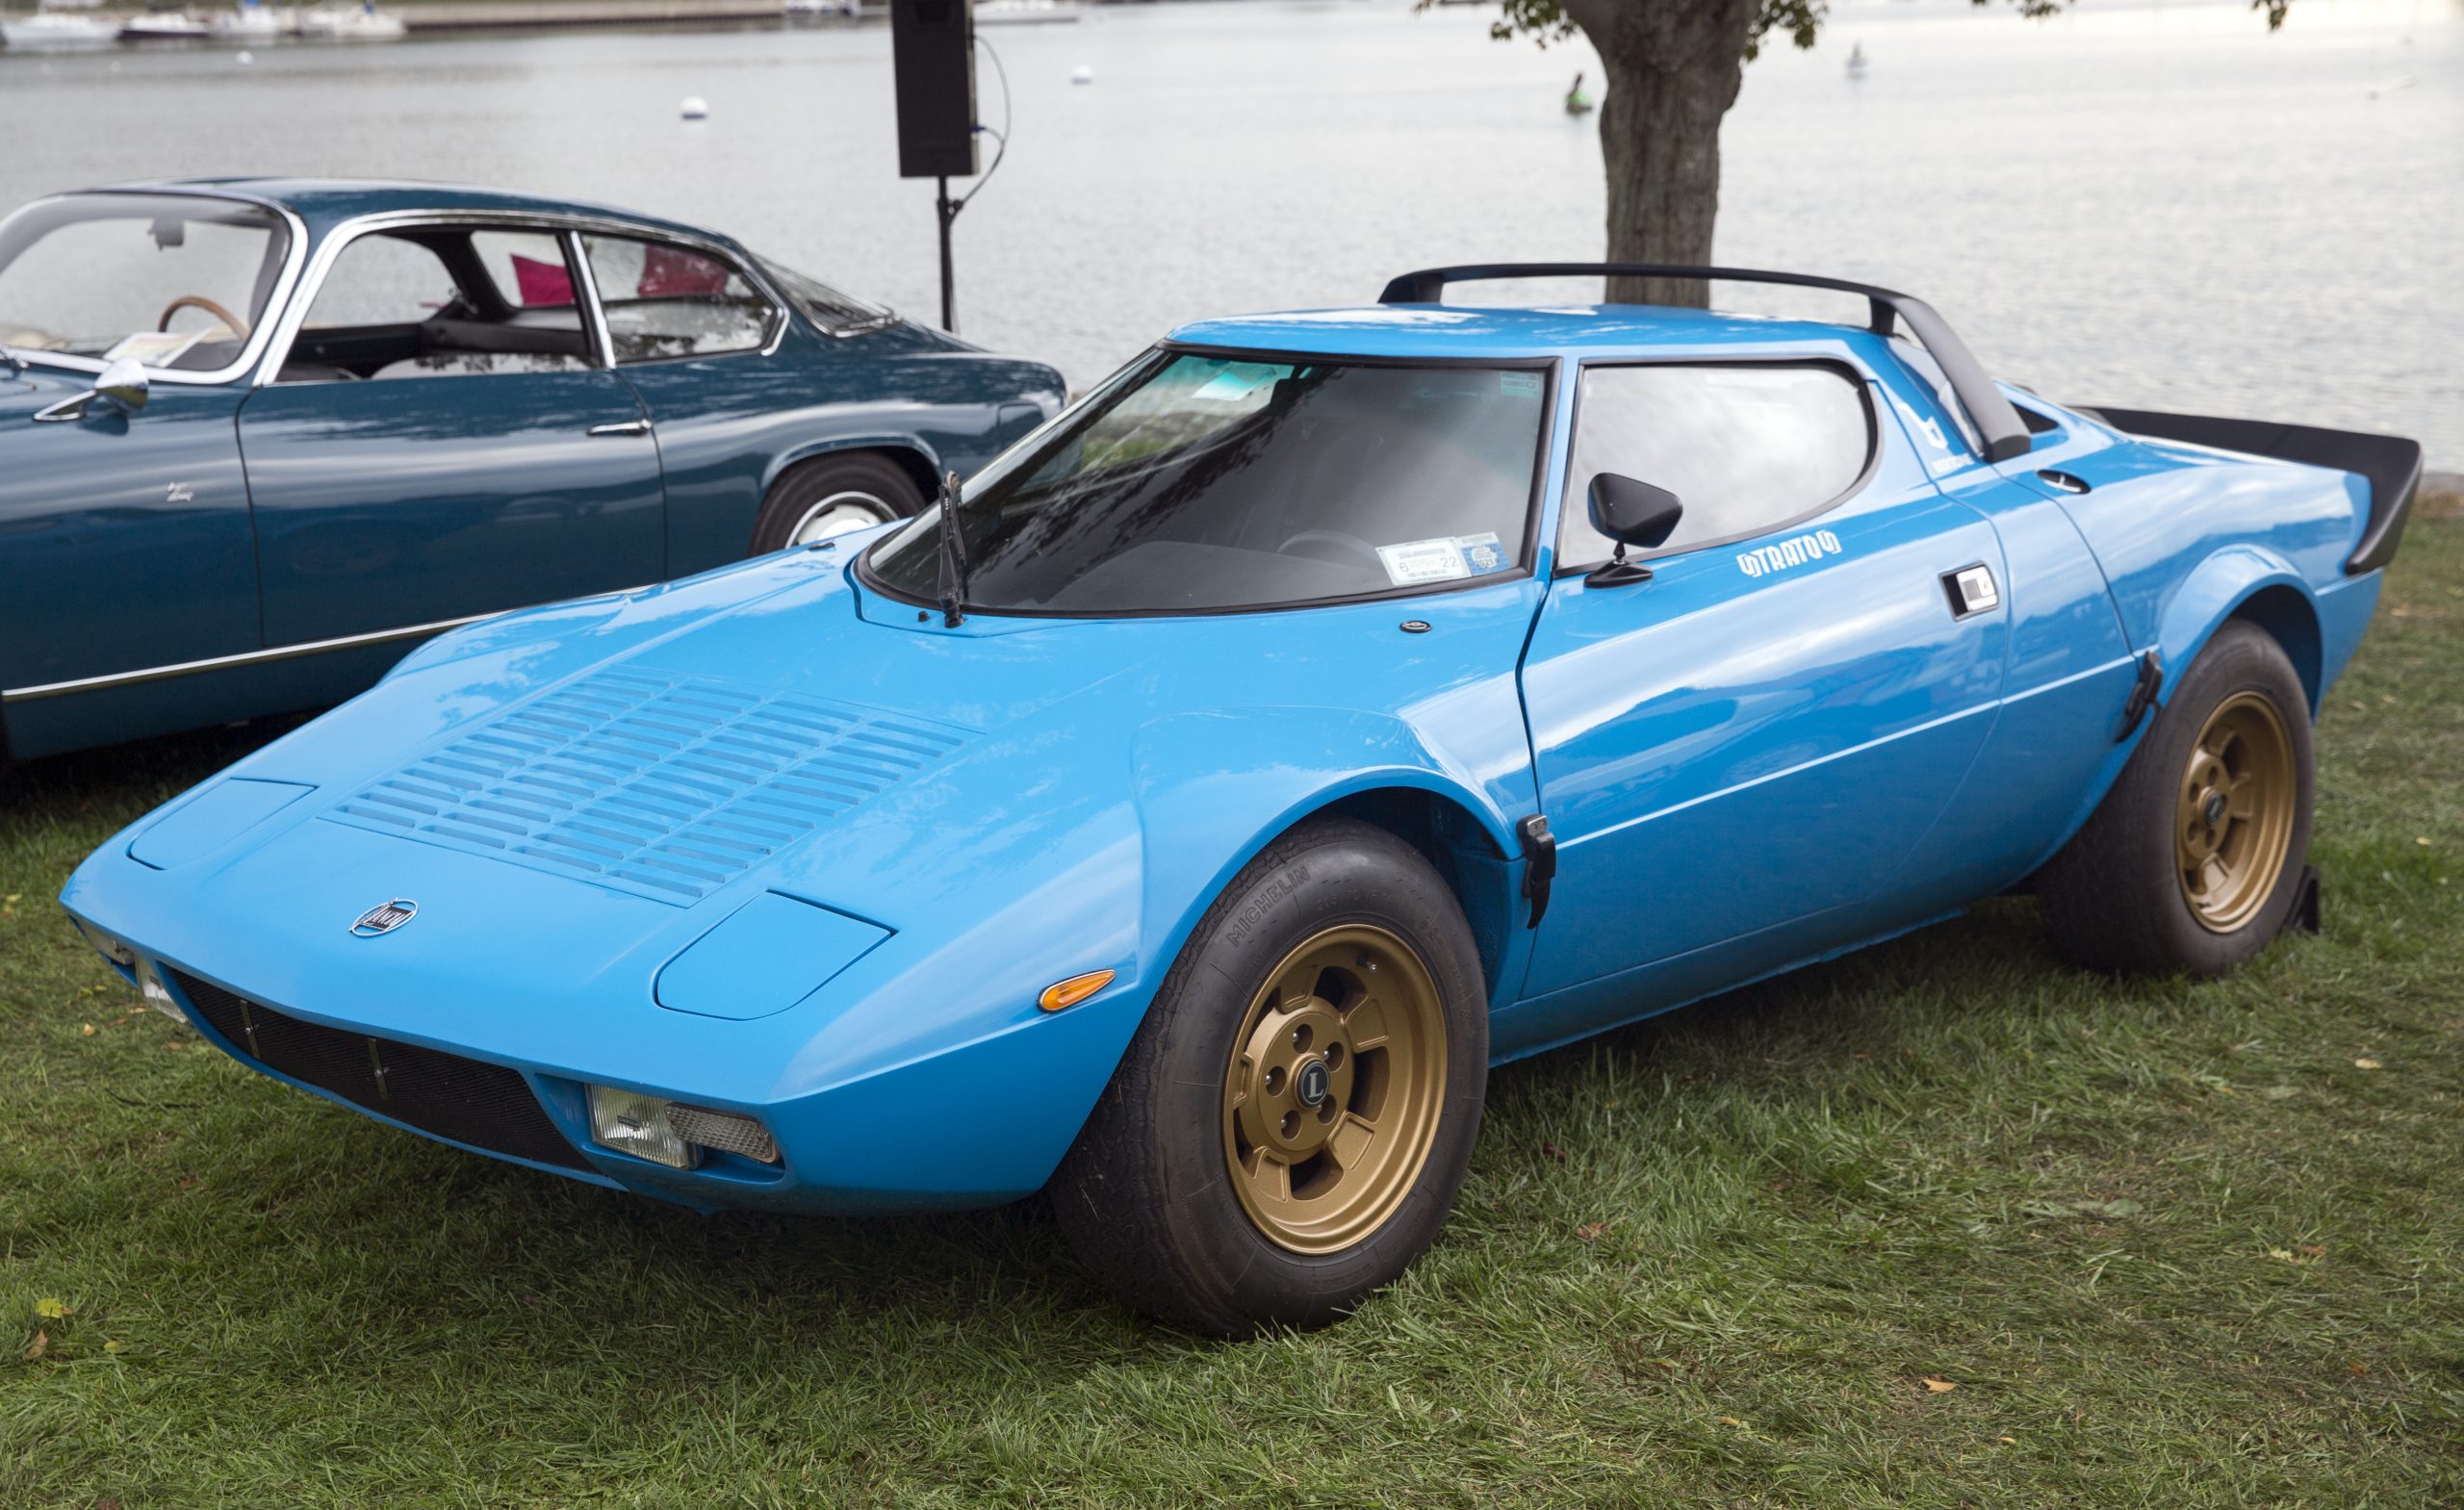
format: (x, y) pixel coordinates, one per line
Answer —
(486, 1106)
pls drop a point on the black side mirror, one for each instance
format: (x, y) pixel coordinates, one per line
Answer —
(1632, 513)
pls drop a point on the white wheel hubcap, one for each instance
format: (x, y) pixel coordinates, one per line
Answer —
(839, 514)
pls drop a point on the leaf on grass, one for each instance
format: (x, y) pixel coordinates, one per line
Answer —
(2356, 1368)
(114, 1348)
(2282, 1255)
(50, 1309)
(2422, 840)
(1590, 1230)
(2314, 1251)
(1731, 1420)
(86, 1030)
(2365, 1063)
(2007, 1441)
(41, 1346)
(1933, 1386)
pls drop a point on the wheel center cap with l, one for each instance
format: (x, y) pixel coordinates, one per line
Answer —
(2214, 809)
(1311, 1083)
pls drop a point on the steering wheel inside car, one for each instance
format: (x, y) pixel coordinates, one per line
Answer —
(1336, 538)
(238, 327)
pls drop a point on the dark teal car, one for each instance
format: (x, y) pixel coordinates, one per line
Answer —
(259, 438)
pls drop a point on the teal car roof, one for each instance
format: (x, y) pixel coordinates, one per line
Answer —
(322, 203)
(1459, 331)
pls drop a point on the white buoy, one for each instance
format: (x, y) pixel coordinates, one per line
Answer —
(694, 108)
(1082, 75)
(245, 58)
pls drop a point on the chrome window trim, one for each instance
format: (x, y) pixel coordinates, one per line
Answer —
(594, 319)
(259, 657)
(552, 223)
(259, 339)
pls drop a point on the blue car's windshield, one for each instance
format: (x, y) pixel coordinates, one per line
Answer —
(1195, 481)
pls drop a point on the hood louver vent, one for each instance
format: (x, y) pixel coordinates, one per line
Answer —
(666, 788)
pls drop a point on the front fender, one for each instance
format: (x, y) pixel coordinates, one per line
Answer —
(1201, 819)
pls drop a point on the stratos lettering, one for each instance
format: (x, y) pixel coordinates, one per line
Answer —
(1796, 550)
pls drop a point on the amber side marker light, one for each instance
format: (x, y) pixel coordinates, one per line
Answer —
(1073, 990)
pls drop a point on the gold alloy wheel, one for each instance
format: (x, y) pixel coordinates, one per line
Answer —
(2234, 821)
(1332, 1097)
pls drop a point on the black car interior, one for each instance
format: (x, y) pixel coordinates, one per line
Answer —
(475, 331)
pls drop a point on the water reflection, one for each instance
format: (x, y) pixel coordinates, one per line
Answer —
(2133, 204)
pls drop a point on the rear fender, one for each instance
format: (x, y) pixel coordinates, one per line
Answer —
(2249, 582)
(910, 452)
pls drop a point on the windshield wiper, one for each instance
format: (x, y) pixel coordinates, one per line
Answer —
(953, 556)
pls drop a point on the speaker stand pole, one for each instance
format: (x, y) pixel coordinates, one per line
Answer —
(949, 297)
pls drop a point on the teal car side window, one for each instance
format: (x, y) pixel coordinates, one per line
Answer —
(663, 302)
(441, 301)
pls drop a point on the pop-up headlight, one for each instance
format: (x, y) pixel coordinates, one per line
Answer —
(670, 1133)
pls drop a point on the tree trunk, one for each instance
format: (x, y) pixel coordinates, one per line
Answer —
(1672, 69)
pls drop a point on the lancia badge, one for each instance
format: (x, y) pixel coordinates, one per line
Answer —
(385, 917)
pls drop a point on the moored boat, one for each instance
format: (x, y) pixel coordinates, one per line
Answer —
(364, 24)
(251, 23)
(1026, 12)
(164, 26)
(55, 30)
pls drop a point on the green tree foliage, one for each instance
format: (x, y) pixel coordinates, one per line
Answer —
(1800, 21)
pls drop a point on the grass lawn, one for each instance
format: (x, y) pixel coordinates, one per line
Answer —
(1942, 1224)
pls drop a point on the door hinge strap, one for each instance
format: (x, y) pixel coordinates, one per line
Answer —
(2142, 694)
(1540, 864)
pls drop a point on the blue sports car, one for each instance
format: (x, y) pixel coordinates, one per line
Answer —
(258, 437)
(1187, 812)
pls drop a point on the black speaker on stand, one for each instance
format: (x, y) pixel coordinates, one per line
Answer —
(933, 65)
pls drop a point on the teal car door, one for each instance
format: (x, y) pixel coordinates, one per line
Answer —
(443, 439)
(1764, 728)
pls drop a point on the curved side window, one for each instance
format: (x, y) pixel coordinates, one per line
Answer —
(1747, 449)
(663, 302)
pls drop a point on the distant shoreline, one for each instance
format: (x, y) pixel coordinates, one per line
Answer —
(473, 15)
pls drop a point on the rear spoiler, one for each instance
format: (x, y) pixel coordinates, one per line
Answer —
(2390, 464)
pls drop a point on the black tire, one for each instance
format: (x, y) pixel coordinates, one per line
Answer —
(865, 481)
(2114, 896)
(1145, 1193)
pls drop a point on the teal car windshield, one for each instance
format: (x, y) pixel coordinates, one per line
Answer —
(1197, 482)
(174, 281)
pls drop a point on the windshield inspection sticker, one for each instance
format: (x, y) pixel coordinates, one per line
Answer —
(1518, 385)
(1482, 553)
(1418, 561)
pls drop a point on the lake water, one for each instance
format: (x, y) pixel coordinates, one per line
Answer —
(2152, 204)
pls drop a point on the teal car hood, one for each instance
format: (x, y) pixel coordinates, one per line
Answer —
(24, 391)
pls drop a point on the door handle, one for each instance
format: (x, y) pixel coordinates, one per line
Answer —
(1971, 590)
(623, 427)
